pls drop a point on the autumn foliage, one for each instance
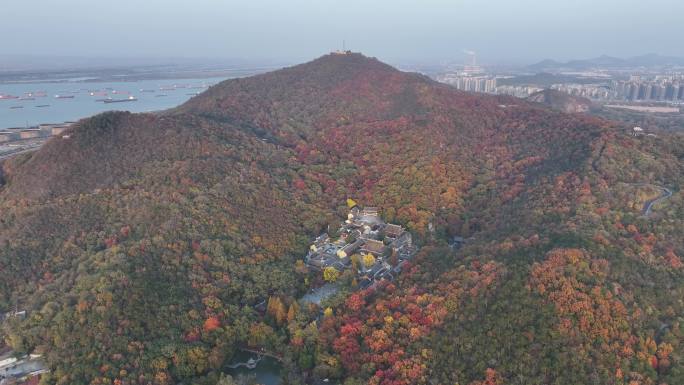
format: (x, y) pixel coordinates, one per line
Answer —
(211, 323)
(384, 338)
(594, 316)
(150, 248)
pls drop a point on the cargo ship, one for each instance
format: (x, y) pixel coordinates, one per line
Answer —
(33, 95)
(64, 96)
(7, 97)
(129, 99)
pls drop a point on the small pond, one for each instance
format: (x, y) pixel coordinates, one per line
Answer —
(267, 371)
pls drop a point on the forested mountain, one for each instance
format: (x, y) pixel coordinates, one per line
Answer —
(561, 101)
(141, 243)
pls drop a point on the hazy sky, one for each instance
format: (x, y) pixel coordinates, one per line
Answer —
(294, 30)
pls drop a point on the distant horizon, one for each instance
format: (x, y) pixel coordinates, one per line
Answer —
(65, 62)
(501, 32)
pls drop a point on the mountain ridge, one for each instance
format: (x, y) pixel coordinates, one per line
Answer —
(561, 101)
(606, 61)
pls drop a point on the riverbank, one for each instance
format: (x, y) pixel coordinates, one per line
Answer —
(34, 103)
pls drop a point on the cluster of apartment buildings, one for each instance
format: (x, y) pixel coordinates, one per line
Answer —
(470, 83)
(518, 91)
(380, 249)
(646, 88)
(589, 91)
(659, 88)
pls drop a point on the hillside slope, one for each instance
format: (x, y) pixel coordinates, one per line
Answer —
(141, 245)
(561, 101)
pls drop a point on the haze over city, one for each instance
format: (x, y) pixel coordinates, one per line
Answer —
(501, 31)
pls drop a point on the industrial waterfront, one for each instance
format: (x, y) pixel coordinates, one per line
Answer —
(24, 105)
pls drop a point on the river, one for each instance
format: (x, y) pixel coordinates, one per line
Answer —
(152, 95)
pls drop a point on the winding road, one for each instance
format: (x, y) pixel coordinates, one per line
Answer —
(648, 205)
(27, 147)
(13, 153)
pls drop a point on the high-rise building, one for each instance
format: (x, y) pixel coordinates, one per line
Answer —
(490, 85)
(669, 92)
(470, 83)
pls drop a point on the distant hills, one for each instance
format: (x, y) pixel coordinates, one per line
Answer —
(609, 62)
(561, 101)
